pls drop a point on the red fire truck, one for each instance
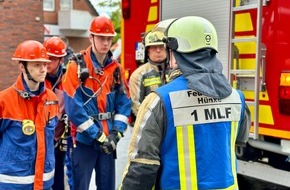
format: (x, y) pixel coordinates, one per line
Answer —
(254, 47)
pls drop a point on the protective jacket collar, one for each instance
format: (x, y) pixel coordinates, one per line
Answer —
(203, 72)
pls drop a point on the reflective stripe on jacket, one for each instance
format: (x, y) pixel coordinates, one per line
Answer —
(144, 80)
(198, 149)
(154, 142)
(99, 94)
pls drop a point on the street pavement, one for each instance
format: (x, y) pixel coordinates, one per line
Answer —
(122, 157)
(122, 154)
(245, 183)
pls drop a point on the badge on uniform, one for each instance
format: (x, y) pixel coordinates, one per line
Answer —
(28, 127)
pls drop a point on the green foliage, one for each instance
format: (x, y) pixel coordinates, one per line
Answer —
(116, 18)
(115, 15)
(109, 3)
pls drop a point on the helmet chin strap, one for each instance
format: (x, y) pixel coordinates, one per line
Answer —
(28, 74)
(57, 68)
(101, 64)
(94, 43)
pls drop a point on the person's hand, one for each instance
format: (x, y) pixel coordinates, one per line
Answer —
(63, 144)
(110, 144)
(101, 137)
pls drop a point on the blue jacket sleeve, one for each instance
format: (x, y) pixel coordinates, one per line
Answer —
(74, 105)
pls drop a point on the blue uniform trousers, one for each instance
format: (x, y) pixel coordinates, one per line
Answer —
(59, 169)
(85, 158)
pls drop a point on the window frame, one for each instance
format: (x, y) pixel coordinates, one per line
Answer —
(70, 5)
(50, 3)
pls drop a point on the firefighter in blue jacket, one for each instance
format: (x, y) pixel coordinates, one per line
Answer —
(56, 50)
(28, 116)
(98, 104)
(185, 133)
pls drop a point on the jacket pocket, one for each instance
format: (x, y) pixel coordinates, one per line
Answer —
(16, 167)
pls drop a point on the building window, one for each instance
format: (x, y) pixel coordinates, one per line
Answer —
(66, 5)
(48, 5)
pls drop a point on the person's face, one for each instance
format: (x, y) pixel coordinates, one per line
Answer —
(172, 60)
(52, 67)
(101, 43)
(37, 70)
(157, 53)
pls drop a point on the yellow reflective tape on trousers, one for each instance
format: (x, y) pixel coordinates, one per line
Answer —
(151, 81)
(186, 157)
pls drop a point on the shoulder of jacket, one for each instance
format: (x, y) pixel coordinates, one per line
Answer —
(8, 92)
(142, 68)
(50, 93)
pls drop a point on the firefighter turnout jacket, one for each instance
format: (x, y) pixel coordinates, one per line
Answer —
(185, 140)
(55, 84)
(27, 124)
(145, 79)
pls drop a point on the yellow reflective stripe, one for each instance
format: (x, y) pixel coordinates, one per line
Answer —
(234, 128)
(167, 78)
(186, 157)
(151, 81)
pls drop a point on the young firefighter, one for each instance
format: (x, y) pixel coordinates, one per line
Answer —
(150, 75)
(185, 133)
(69, 51)
(28, 116)
(98, 104)
(56, 50)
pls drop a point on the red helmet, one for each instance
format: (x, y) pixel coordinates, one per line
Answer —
(102, 26)
(30, 50)
(55, 47)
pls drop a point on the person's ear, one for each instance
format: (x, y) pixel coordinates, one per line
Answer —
(21, 67)
(91, 38)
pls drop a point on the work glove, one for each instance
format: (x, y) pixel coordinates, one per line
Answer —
(63, 144)
(110, 144)
(101, 137)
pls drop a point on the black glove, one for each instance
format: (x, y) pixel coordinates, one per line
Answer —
(63, 144)
(63, 139)
(110, 144)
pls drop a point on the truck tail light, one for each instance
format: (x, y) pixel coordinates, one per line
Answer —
(126, 9)
(284, 93)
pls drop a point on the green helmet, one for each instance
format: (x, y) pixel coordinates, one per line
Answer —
(189, 34)
(154, 38)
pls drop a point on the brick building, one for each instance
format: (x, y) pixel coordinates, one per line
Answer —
(29, 19)
(70, 18)
(19, 20)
